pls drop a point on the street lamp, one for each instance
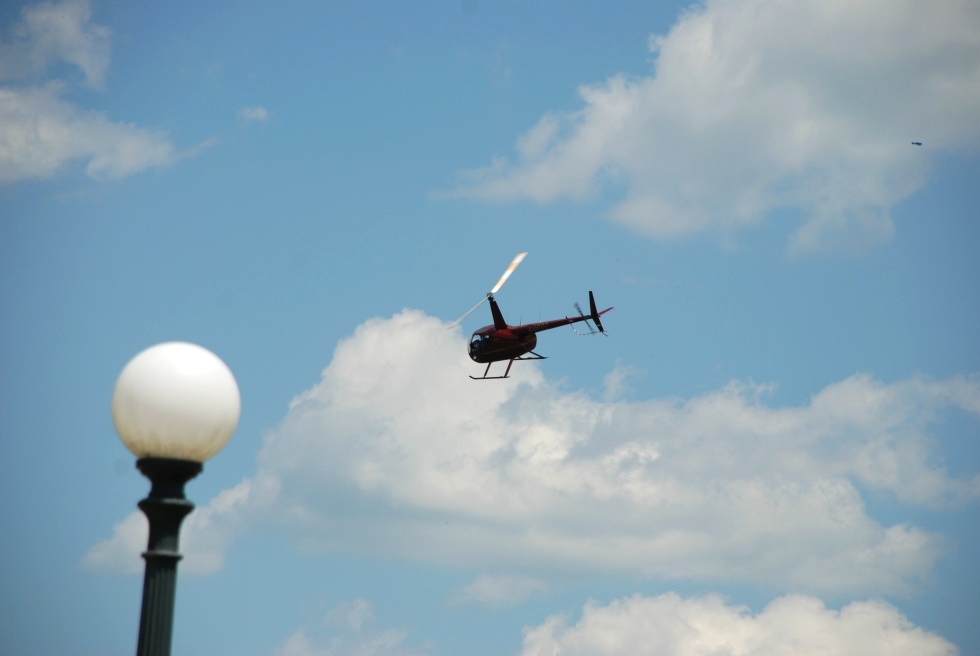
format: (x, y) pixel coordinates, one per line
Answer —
(175, 405)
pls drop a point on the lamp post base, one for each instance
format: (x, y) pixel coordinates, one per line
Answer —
(165, 508)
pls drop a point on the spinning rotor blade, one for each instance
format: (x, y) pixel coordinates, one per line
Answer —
(513, 265)
(468, 313)
(592, 331)
(500, 283)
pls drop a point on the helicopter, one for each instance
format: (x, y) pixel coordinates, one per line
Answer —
(501, 341)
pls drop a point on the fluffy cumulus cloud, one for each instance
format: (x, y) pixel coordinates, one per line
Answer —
(756, 106)
(667, 625)
(389, 454)
(50, 33)
(40, 132)
(673, 626)
(206, 534)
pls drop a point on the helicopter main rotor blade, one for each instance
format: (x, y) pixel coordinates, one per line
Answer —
(468, 313)
(513, 265)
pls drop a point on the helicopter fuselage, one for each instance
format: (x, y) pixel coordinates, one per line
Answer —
(492, 344)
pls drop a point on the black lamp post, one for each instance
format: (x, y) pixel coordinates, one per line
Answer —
(175, 405)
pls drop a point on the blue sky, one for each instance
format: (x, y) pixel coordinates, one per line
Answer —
(775, 447)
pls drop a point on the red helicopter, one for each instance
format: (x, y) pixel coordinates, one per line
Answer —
(505, 342)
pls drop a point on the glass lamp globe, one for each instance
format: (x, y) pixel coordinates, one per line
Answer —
(176, 400)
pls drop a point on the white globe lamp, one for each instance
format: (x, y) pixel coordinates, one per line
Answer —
(176, 400)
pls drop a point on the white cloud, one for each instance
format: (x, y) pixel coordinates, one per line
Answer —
(616, 382)
(250, 114)
(41, 133)
(498, 590)
(121, 552)
(394, 453)
(54, 32)
(352, 636)
(352, 615)
(756, 106)
(206, 534)
(669, 625)
(386, 643)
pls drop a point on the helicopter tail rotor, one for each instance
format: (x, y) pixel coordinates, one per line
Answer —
(592, 331)
(593, 317)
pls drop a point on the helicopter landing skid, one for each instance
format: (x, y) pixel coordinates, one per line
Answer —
(532, 356)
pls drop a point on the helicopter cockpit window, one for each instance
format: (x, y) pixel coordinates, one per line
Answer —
(477, 342)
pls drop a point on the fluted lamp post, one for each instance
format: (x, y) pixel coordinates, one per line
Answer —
(174, 405)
